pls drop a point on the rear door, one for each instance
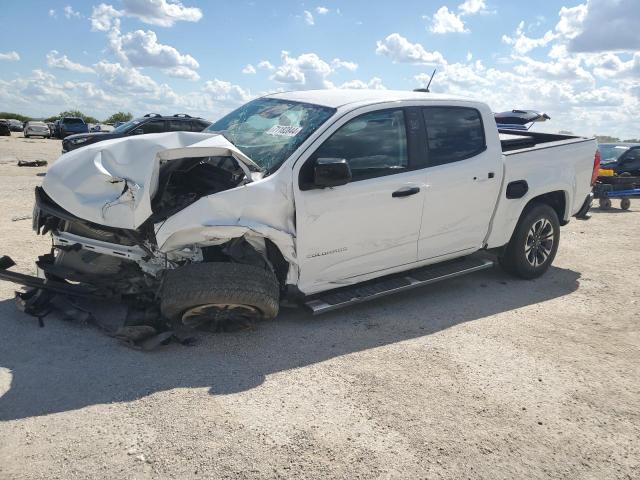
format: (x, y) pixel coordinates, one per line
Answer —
(462, 178)
(372, 223)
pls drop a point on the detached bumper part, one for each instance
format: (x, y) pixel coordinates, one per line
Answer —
(583, 213)
(144, 328)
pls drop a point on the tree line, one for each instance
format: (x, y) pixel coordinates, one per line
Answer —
(116, 117)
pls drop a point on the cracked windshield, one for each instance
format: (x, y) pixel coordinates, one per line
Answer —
(269, 130)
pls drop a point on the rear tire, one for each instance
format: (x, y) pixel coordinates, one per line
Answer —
(218, 295)
(534, 243)
(625, 203)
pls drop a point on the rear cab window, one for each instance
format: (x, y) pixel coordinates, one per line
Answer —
(72, 121)
(453, 134)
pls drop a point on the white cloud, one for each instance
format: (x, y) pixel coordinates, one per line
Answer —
(266, 65)
(161, 12)
(182, 72)
(400, 50)
(226, 92)
(308, 18)
(127, 79)
(69, 12)
(374, 84)
(322, 10)
(104, 17)
(445, 21)
(10, 56)
(469, 56)
(52, 13)
(142, 49)
(470, 7)
(571, 19)
(607, 26)
(305, 71)
(337, 63)
(249, 70)
(62, 62)
(523, 44)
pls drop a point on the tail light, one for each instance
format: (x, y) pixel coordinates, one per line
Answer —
(596, 167)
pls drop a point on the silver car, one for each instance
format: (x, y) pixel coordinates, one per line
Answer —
(36, 129)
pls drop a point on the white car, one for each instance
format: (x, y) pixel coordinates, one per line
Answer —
(36, 129)
(305, 196)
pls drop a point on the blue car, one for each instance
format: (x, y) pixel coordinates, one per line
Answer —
(70, 126)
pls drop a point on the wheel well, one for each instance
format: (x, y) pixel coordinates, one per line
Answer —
(238, 250)
(556, 200)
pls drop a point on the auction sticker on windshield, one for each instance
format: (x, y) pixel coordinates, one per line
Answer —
(283, 131)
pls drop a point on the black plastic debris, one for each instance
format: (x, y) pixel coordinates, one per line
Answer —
(32, 163)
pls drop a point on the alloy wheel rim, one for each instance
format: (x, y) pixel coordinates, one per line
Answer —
(539, 242)
(215, 313)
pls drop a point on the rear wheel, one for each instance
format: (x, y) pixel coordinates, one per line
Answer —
(604, 203)
(219, 296)
(534, 243)
(625, 204)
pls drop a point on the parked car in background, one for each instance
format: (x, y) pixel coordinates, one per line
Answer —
(150, 123)
(5, 131)
(34, 128)
(620, 157)
(69, 126)
(15, 125)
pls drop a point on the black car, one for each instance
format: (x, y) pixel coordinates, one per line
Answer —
(5, 131)
(621, 158)
(150, 123)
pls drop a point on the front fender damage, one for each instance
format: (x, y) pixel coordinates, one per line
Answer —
(119, 221)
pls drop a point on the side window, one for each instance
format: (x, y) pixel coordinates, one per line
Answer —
(631, 156)
(199, 126)
(374, 144)
(179, 126)
(154, 126)
(453, 134)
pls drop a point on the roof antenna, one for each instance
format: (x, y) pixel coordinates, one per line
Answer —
(426, 90)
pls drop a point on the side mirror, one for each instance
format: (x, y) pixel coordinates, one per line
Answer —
(331, 172)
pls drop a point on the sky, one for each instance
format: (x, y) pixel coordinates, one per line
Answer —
(577, 61)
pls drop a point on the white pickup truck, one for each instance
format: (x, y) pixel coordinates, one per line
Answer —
(326, 197)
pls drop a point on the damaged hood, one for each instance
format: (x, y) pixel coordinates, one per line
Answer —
(112, 182)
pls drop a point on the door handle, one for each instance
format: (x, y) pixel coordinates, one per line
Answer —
(405, 192)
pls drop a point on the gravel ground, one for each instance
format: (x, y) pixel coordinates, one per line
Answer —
(479, 377)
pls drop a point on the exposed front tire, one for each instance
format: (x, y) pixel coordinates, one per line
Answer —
(534, 243)
(219, 295)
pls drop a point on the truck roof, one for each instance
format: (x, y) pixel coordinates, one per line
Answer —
(338, 97)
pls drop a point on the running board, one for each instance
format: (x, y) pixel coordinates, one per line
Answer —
(334, 299)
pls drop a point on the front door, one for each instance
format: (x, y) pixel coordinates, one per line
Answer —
(372, 223)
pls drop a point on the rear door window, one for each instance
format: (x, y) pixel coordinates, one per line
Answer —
(154, 126)
(179, 126)
(453, 134)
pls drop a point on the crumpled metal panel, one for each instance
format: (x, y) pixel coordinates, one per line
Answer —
(112, 182)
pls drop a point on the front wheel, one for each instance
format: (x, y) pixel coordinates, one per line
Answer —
(625, 203)
(534, 243)
(219, 296)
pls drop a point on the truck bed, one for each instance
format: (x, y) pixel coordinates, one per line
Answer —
(514, 141)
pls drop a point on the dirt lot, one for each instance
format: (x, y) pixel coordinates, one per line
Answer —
(479, 377)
